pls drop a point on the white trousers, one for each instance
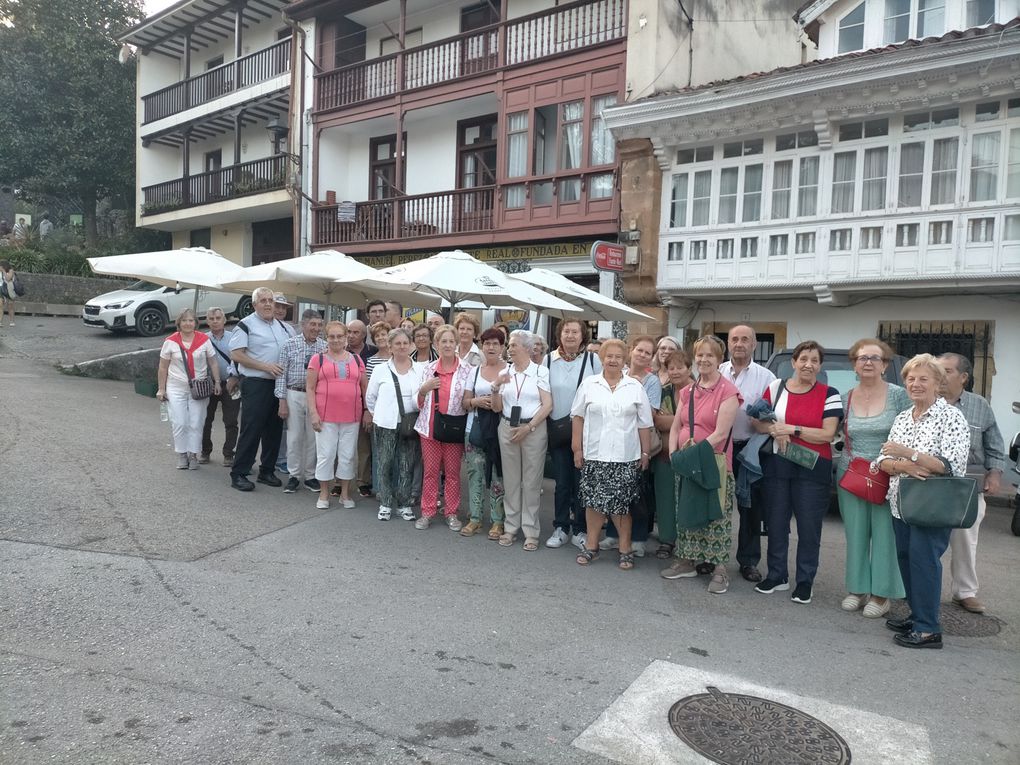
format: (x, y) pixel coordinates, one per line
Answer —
(300, 437)
(336, 441)
(187, 417)
(963, 556)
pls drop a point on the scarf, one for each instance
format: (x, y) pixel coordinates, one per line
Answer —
(189, 353)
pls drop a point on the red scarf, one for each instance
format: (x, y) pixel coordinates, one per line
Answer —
(189, 353)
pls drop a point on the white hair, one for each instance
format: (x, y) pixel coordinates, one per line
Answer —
(523, 338)
(255, 293)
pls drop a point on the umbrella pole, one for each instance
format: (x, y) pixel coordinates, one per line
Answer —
(195, 306)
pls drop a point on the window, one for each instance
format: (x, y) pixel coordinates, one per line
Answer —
(678, 202)
(749, 247)
(911, 174)
(876, 163)
(984, 170)
(782, 180)
(851, 30)
(840, 239)
(940, 232)
(1011, 228)
(980, 12)
(805, 243)
(702, 198)
(571, 139)
(852, 131)
(931, 17)
(743, 148)
(728, 195)
(807, 181)
(779, 245)
(943, 171)
(1013, 165)
(601, 186)
(906, 234)
(796, 140)
(698, 154)
(675, 252)
(843, 172)
(986, 112)
(937, 118)
(752, 193)
(981, 230)
(516, 157)
(699, 249)
(897, 21)
(1013, 107)
(603, 147)
(871, 238)
(724, 248)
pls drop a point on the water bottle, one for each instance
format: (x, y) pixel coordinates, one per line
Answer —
(164, 412)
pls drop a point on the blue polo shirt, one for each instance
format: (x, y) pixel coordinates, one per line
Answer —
(263, 340)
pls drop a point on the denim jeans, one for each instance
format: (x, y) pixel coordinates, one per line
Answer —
(919, 551)
(751, 518)
(568, 514)
(792, 491)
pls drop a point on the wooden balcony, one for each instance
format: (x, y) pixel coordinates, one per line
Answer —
(248, 70)
(260, 175)
(524, 40)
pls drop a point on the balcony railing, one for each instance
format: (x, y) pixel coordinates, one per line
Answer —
(515, 42)
(248, 70)
(268, 174)
(443, 213)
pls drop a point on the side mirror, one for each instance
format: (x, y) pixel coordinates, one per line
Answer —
(1014, 448)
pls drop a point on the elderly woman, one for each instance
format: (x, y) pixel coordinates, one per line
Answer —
(186, 355)
(423, 351)
(336, 382)
(484, 466)
(468, 328)
(870, 408)
(379, 334)
(807, 415)
(391, 393)
(665, 347)
(442, 390)
(930, 438)
(678, 367)
(540, 350)
(568, 365)
(522, 395)
(714, 400)
(611, 424)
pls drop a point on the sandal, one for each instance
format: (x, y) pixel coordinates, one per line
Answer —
(665, 551)
(496, 532)
(507, 540)
(627, 561)
(530, 545)
(586, 556)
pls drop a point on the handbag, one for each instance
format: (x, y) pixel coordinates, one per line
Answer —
(201, 387)
(19, 289)
(561, 430)
(938, 501)
(863, 478)
(405, 426)
(447, 428)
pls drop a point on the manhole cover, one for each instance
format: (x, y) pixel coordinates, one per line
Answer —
(958, 621)
(734, 729)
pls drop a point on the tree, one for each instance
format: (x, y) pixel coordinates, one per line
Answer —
(67, 115)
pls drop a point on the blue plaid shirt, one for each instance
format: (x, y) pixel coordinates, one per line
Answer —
(294, 357)
(987, 451)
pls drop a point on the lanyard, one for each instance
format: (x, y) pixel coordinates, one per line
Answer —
(521, 386)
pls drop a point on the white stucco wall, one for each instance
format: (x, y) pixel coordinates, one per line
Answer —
(431, 155)
(840, 327)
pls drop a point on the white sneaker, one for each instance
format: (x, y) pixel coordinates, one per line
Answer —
(406, 513)
(638, 548)
(347, 503)
(384, 513)
(578, 540)
(558, 539)
(609, 543)
(322, 504)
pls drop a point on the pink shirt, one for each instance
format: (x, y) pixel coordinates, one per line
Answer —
(338, 388)
(707, 402)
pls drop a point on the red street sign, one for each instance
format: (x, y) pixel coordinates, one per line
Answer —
(608, 256)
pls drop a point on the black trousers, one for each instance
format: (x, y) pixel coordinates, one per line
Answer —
(230, 408)
(260, 425)
(751, 518)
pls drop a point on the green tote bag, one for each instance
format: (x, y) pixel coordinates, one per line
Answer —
(938, 501)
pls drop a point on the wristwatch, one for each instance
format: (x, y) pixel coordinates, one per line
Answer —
(913, 457)
(797, 431)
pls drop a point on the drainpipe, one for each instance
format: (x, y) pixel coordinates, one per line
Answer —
(295, 116)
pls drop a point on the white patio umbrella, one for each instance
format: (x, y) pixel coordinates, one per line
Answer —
(329, 277)
(457, 277)
(192, 267)
(585, 302)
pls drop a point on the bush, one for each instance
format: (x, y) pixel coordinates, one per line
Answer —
(63, 252)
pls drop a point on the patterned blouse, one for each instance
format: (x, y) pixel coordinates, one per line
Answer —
(942, 431)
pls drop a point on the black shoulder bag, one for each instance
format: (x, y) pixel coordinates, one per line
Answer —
(405, 427)
(560, 431)
(447, 428)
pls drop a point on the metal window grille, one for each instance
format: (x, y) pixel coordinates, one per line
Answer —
(972, 339)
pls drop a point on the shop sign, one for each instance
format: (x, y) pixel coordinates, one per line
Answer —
(608, 256)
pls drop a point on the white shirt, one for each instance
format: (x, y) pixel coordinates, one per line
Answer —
(523, 390)
(473, 356)
(751, 383)
(612, 418)
(176, 373)
(381, 395)
(478, 386)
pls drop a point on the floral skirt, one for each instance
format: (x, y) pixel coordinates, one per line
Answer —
(609, 487)
(710, 543)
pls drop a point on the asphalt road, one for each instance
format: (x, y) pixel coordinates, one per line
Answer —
(151, 615)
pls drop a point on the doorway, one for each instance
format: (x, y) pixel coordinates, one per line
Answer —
(478, 52)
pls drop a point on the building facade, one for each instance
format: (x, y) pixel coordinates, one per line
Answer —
(872, 192)
(214, 162)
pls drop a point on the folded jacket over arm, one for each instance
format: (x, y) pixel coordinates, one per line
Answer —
(698, 503)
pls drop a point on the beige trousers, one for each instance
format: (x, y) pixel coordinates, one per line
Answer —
(523, 469)
(963, 556)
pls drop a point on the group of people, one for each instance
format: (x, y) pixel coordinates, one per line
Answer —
(641, 436)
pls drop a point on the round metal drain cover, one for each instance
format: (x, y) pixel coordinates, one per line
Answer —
(959, 622)
(733, 729)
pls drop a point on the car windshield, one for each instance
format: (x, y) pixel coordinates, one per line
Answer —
(142, 286)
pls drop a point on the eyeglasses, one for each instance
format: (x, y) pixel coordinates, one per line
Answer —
(872, 359)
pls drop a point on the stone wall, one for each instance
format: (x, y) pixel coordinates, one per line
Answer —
(135, 365)
(67, 290)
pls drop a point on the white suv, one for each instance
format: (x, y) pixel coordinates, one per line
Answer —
(149, 309)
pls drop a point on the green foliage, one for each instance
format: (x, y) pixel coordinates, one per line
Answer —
(63, 252)
(68, 117)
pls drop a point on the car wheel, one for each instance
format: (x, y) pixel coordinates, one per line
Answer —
(150, 321)
(244, 307)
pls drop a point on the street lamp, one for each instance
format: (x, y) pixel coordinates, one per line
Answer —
(279, 132)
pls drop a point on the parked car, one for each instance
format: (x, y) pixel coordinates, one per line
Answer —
(149, 308)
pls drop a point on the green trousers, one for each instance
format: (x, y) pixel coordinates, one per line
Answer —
(871, 563)
(478, 492)
(664, 481)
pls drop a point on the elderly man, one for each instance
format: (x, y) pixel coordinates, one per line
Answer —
(356, 342)
(434, 321)
(281, 306)
(376, 311)
(985, 463)
(751, 380)
(394, 313)
(220, 336)
(255, 348)
(293, 407)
